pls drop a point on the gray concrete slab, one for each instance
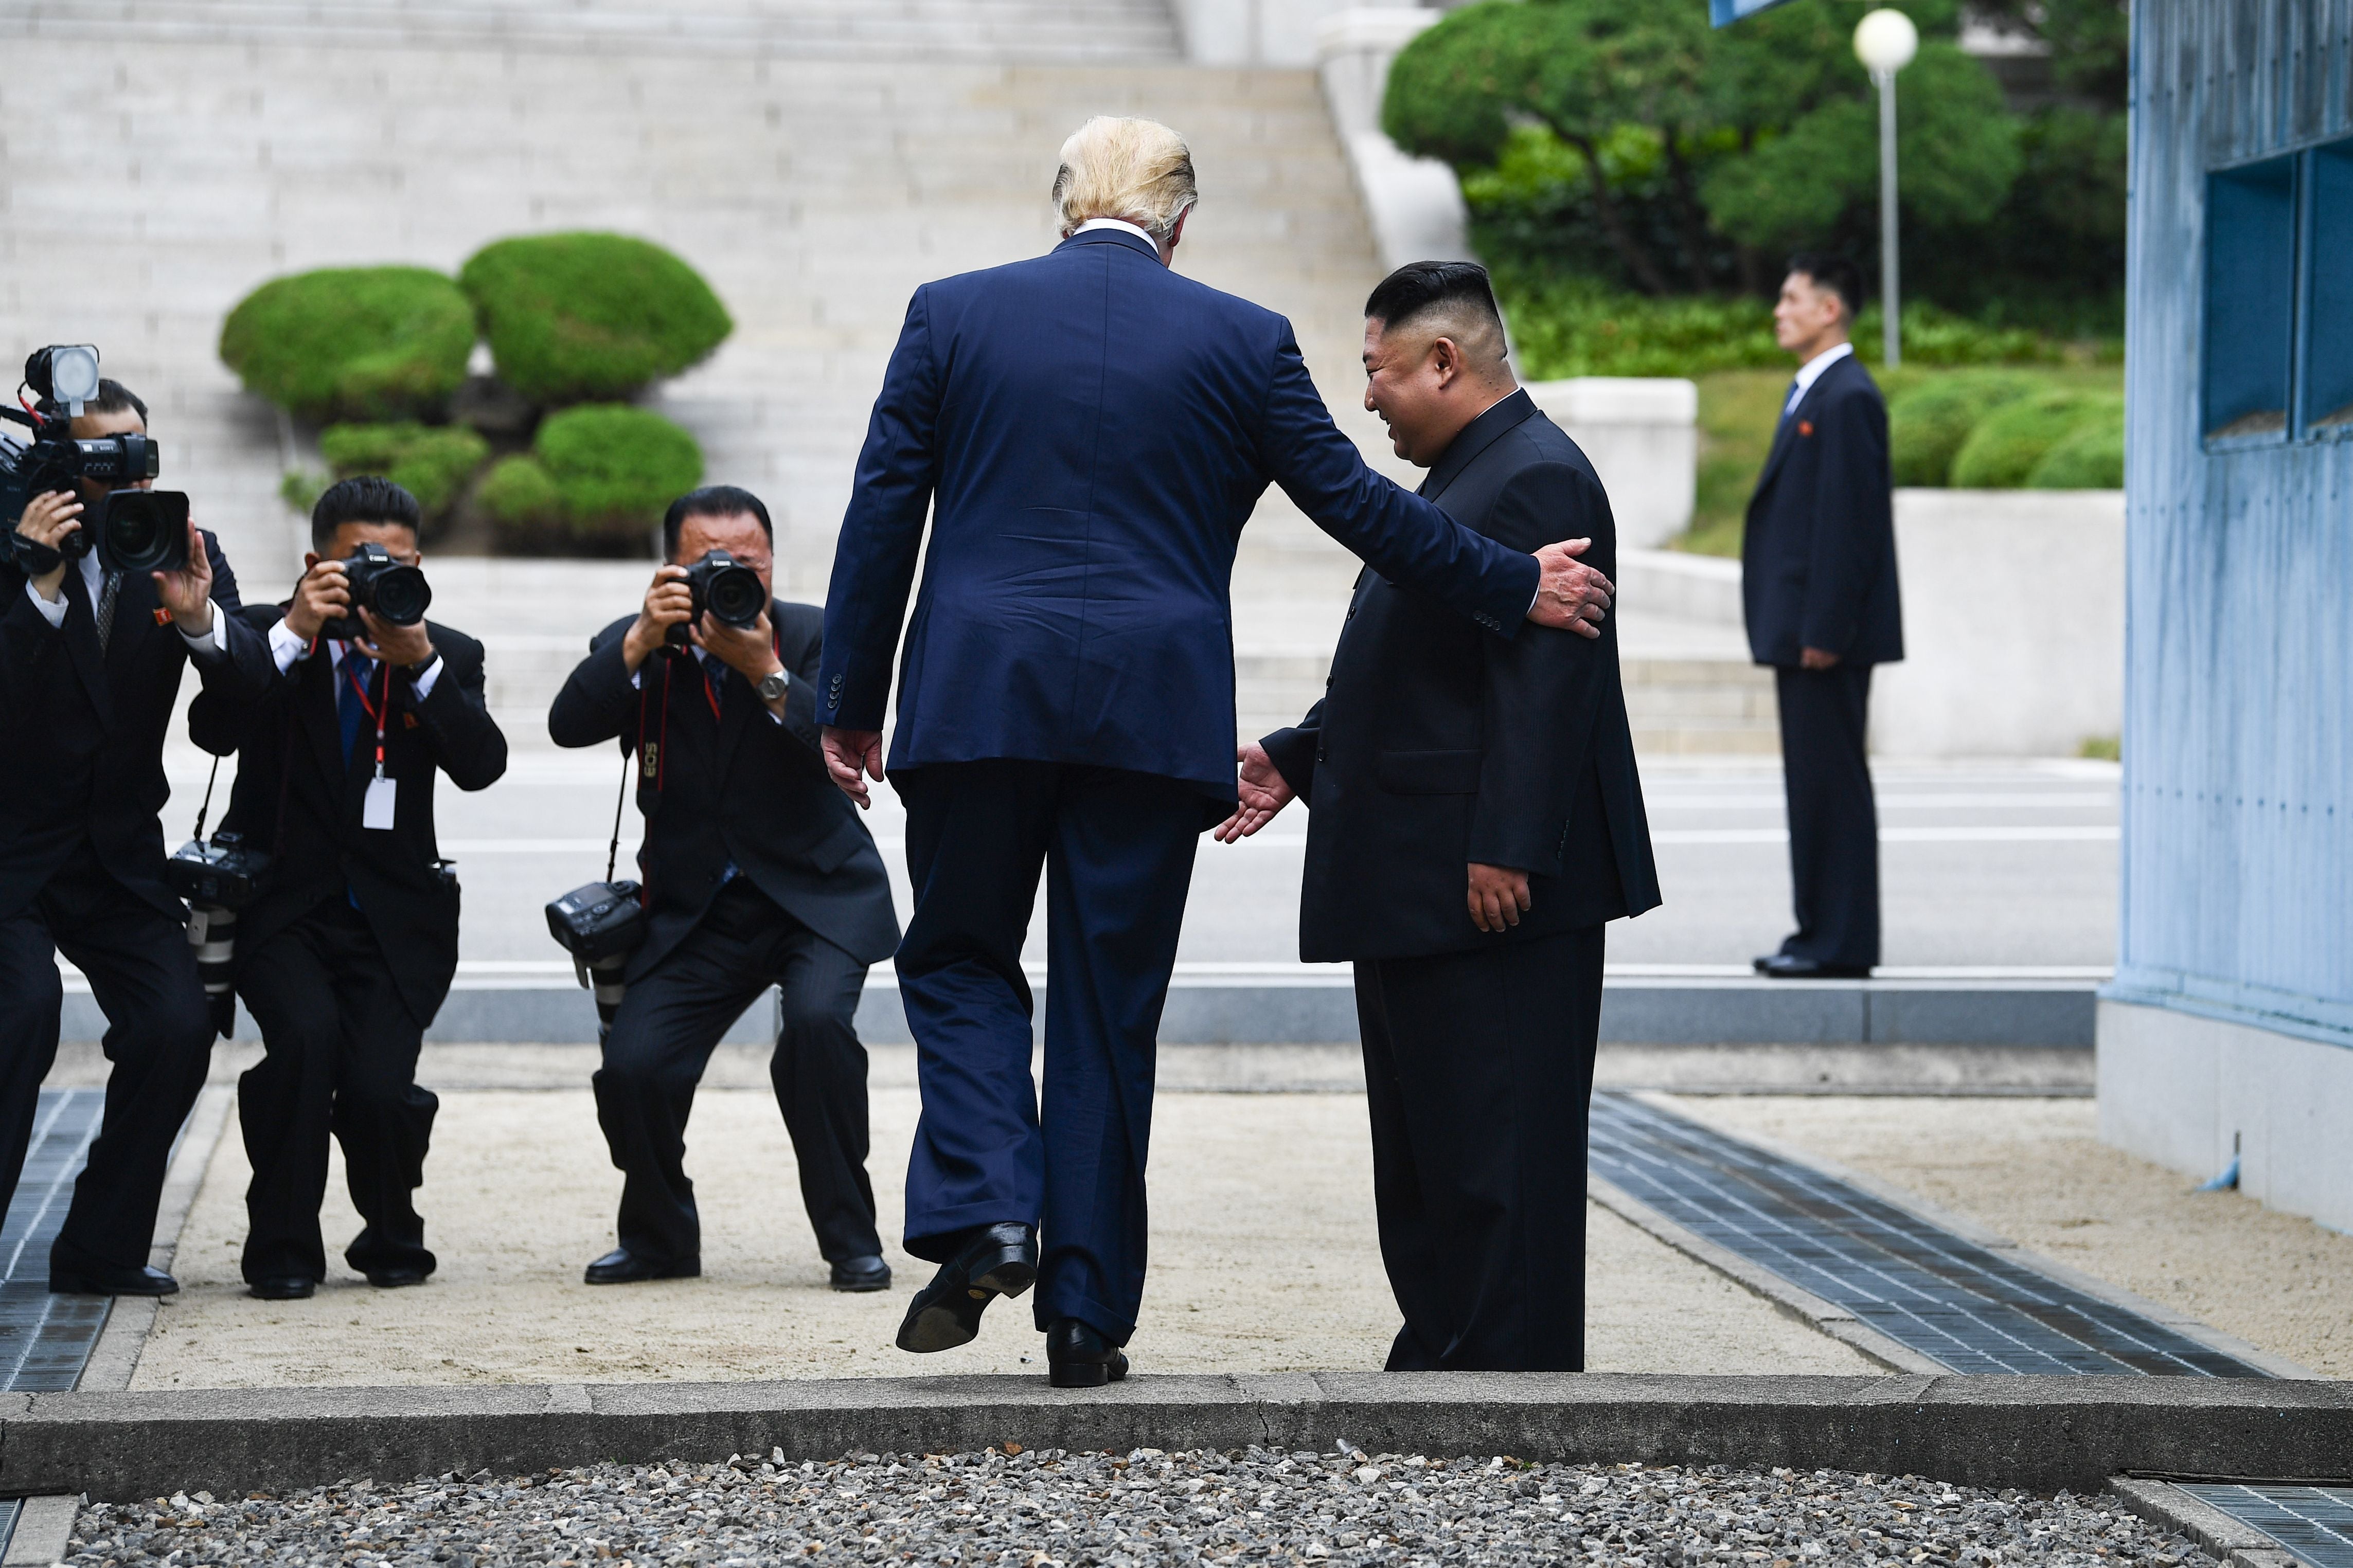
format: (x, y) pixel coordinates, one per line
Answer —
(2035, 1432)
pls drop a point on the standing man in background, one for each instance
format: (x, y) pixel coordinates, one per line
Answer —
(1817, 578)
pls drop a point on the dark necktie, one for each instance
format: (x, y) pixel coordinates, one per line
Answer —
(358, 668)
(715, 674)
(107, 594)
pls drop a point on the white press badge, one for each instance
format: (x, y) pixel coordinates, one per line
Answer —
(376, 811)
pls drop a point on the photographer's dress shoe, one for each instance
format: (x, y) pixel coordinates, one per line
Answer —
(110, 1279)
(860, 1274)
(1078, 1356)
(1000, 1260)
(284, 1288)
(622, 1266)
(395, 1279)
(1789, 967)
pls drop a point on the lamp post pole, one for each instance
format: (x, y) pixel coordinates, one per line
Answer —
(1885, 41)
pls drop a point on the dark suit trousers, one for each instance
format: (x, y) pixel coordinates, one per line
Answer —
(1833, 821)
(159, 1036)
(1117, 849)
(340, 1057)
(1478, 1074)
(662, 1037)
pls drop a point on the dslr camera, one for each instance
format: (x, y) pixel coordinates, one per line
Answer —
(728, 590)
(397, 593)
(600, 925)
(132, 530)
(217, 879)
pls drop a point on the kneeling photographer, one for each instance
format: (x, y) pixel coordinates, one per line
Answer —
(756, 873)
(108, 592)
(346, 952)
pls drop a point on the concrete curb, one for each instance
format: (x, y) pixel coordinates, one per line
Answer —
(2039, 1433)
(2237, 1544)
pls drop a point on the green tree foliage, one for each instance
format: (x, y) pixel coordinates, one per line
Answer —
(596, 483)
(2089, 457)
(2003, 452)
(432, 464)
(362, 342)
(517, 495)
(578, 318)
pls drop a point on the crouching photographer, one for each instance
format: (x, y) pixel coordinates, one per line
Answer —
(93, 641)
(344, 954)
(756, 873)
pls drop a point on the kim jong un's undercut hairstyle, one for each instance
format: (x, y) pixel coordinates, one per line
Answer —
(1137, 170)
(1442, 300)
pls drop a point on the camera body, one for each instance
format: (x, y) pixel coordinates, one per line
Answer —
(728, 591)
(397, 593)
(217, 879)
(132, 530)
(600, 924)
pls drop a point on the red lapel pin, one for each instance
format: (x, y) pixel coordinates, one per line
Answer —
(162, 616)
(1805, 426)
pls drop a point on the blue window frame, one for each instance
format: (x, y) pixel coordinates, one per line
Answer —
(2279, 298)
(2325, 402)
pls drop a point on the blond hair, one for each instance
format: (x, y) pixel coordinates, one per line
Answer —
(1137, 170)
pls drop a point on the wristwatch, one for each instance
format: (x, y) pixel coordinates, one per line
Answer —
(773, 686)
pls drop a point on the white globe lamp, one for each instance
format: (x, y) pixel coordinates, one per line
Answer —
(1884, 41)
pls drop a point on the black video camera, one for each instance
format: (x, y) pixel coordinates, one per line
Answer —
(217, 879)
(600, 925)
(397, 593)
(134, 529)
(729, 591)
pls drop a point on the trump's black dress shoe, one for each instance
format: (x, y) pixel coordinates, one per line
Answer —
(1789, 967)
(622, 1266)
(395, 1278)
(1078, 1356)
(108, 1280)
(999, 1260)
(284, 1288)
(859, 1274)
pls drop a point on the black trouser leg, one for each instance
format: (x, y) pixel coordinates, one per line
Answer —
(1833, 821)
(159, 1038)
(1479, 1072)
(31, 997)
(820, 1075)
(284, 1102)
(662, 1037)
(382, 1117)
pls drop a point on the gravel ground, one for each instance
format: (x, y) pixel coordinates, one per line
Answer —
(1051, 1507)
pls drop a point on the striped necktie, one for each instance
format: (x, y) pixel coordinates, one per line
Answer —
(107, 594)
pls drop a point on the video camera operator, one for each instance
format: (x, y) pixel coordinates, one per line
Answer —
(345, 955)
(756, 873)
(90, 658)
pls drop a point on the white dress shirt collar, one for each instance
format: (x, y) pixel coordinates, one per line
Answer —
(1811, 371)
(1118, 223)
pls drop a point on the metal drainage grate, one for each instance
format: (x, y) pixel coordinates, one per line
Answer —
(1951, 1299)
(46, 1340)
(2313, 1522)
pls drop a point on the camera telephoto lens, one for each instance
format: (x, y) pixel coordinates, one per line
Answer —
(729, 590)
(144, 530)
(399, 595)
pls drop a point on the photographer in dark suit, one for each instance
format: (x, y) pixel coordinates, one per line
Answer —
(757, 873)
(90, 662)
(1476, 817)
(344, 957)
(1817, 578)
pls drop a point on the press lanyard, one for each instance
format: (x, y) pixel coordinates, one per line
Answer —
(375, 710)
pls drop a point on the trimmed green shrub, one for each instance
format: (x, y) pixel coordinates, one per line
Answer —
(580, 318)
(365, 343)
(301, 488)
(1927, 424)
(432, 463)
(2006, 444)
(2092, 458)
(519, 497)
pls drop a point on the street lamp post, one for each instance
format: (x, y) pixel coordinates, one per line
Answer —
(1885, 41)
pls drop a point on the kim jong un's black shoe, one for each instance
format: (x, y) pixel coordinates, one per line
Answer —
(622, 1266)
(1078, 1355)
(862, 1273)
(998, 1260)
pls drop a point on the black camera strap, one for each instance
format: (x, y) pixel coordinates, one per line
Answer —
(620, 798)
(206, 809)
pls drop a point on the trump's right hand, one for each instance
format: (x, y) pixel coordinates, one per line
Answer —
(1570, 596)
(1263, 791)
(851, 756)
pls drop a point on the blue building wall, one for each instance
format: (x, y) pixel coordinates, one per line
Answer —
(2238, 826)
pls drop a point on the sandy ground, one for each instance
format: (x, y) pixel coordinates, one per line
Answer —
(2035, 1171)
(1264, 1260)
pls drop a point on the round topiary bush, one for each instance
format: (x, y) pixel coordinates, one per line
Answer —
(365, 343)
(614, 468)
(432, 463)
(580, 318)
(2006, 444)
(517, 495)
(1927, 426)
(2092, 458)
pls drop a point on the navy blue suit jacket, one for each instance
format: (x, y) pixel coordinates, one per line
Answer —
(1090, 431)
(1819, 558)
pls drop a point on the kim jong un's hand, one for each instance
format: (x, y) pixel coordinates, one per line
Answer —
(1498, 896)
(1263, 792)
(1570, 596)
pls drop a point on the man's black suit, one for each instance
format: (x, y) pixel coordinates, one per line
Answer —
(82, 871)
(345, 957)
(1819, 571)
(1436, 746)
(757, 873)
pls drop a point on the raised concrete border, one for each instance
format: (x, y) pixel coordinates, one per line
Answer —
(43, 1530)
(1321, 1008)
(2038, 1433)
(2234, 1541)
